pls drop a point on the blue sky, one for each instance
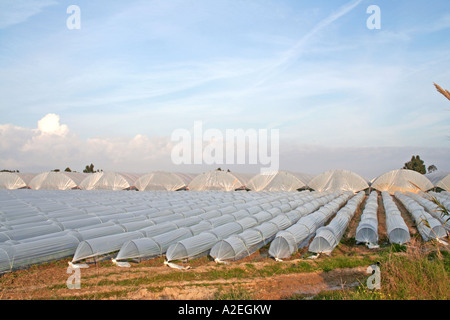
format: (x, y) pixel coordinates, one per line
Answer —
(138, 70)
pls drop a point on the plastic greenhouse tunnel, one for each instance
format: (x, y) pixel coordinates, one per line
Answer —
(367, 230)
(201, 244)
(429, 227)
(246, 243)
(432, 208)
(329, 236)
(397, 230)
(288, 241)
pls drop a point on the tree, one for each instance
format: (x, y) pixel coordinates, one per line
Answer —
(55, 170)
(416, 164)
(432, 168)
(68, 170)
(89, 169)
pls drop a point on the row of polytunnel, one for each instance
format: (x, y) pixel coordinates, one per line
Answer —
(333, 180)
(47, 225)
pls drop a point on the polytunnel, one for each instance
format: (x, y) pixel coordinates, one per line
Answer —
(440, 179)
(432, 208)
(338, 180)
(442, 198)
(102, 246)
(15, 180)
(288, 241)
(402, 180)
(328, 237)
(367, 230)
(244, 244)
(148, 248)
(278, 181)
(429, 227)
(49, 247)
(22, 255)
(57, 180)
(219, 180)
(109, 181)
(202, 243)
(161, 180)
(59, 221)
(397, 230)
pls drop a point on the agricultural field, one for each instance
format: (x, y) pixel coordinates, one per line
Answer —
(417, 269)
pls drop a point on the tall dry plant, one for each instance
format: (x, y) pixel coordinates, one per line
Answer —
(444, 92)
(417, 274)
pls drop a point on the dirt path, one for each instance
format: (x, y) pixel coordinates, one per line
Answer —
(381, 217)
(407, 217)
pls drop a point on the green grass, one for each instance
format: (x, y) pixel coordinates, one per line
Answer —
(331, 263)
(234, 293)
(407, 273)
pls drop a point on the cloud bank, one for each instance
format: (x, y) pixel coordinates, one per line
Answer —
(52, 145)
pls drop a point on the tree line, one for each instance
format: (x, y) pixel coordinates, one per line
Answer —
(415, 164)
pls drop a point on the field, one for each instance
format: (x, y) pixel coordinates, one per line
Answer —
(416, 271)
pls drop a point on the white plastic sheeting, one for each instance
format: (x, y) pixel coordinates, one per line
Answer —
(21, 255)
(221, 218)
(15, 180)
(161, 180)
(148, 248)
(244, 244)
(432, 208)
(338, 180)
(202, 244)
(429, 227)
(57, 180)
(328, 237)
(288, 241)
(367, 230)
(109, 181)
(396, 228)
(279, 181)
(402, 180)
(105, 245)
(219, 180)
(442, 197)
(57, 221)
(440, 179)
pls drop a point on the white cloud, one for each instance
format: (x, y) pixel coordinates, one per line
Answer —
(50, 125)
(17, 11)
(29, 150)
(51, 145)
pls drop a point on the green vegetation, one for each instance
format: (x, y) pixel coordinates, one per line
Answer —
(416, 164)
(234, 293)
(407, 273)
